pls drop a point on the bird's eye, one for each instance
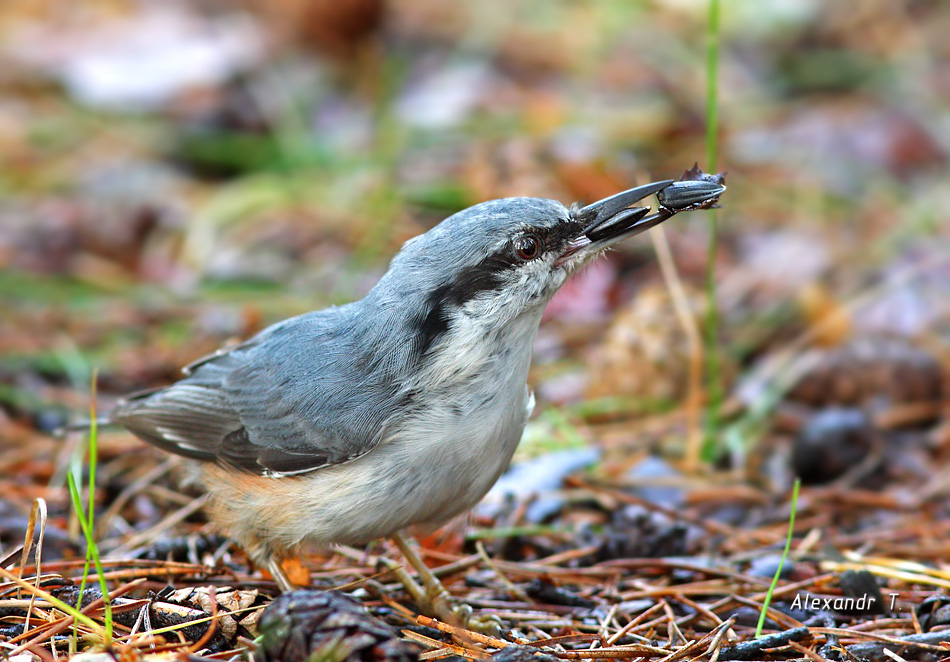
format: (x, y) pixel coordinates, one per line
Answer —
(527, 247)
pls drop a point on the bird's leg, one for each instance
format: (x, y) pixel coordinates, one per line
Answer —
(416, 592)
(279, 574)
(437, 597)
(438, 601)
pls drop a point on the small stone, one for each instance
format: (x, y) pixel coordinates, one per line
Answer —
(832, 442)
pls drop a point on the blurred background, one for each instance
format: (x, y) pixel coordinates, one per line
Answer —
(178, 175)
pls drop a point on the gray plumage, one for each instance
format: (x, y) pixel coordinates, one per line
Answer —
(321, 388)
(402, 408)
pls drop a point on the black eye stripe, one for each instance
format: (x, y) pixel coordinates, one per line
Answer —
(552, 238)
(485, 276)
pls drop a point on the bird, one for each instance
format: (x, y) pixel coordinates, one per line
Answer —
(398, 410)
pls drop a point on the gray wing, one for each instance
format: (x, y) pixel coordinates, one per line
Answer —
(304, 394)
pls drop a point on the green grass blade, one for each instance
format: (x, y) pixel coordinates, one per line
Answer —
(781, 563)
(713, 380)
(87, 519)
(712, 85)
(83, 524)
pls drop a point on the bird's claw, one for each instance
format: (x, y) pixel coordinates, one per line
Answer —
(487, 624)
(440, 604)
(453, 611)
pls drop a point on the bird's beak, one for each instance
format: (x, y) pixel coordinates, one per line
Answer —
(613, 219)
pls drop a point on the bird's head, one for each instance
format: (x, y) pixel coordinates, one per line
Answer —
(496, 261)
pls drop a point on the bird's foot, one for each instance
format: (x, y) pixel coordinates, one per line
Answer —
(436, 602)
(455, 612)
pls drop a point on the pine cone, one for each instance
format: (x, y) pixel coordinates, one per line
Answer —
(305, 625)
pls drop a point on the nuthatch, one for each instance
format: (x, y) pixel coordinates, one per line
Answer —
(403, 408)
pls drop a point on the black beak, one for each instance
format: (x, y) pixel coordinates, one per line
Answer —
(612, 219)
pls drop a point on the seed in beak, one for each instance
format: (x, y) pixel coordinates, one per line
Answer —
(688, 195)
(695, 190)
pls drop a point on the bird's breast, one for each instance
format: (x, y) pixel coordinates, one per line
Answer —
(467, 417)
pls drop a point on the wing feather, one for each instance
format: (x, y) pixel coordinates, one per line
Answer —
(273, 405)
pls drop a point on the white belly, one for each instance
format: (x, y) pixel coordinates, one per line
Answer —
(437, 471)
(443, 457)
